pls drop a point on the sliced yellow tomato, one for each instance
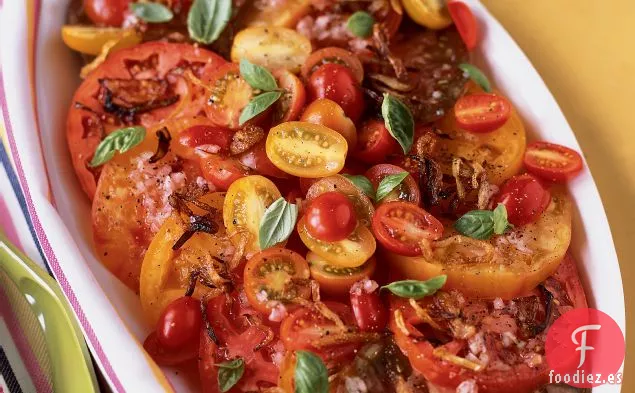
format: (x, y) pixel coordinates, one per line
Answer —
(353, 251)
(306, 149)
(285, 13)
(165, 273)
(429, 13)
(499, 152)
(505, 266)
(271, 47)
(364, 209)
(90, 39)
(246, 202)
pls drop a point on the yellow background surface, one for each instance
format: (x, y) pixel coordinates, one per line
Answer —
(585, 52)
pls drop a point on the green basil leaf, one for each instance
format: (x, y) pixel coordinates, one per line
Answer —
(416, 289)
(121, 140)
(311, 375)
(257, 76)
(389, 183)
(152, 12)
(257, 105)
(361, 24)
(399, 121)
(207, 19)
(500, 220)
(229, 373)
(476, 75)
(277, 223)
(477, 224)
(362, 182)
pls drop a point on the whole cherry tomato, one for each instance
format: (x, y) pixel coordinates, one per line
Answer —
(525, 198)
(180, 323)
(375, 143)
(331, 217)
(370, 313)
(106, 12)
(337, 83)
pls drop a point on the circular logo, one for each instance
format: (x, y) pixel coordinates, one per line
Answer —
(585, 348)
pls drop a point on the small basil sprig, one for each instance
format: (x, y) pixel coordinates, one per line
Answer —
(362, 182)
(399, 121)
(389, 183)
(361, 24)
(152, 12)
(257, 105)
(482, 224)
(121, 140)
(277, 223)
(311, 375)
(476, 75)
(257, 76)
(416, 289)
(207, 19)
(229, 373)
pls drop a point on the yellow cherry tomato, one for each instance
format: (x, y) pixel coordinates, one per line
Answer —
(429, 13)
(306, 149)
(335, 280)
(90, 39)
(275, 13)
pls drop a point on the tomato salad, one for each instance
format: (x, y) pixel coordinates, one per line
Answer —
(320, 196)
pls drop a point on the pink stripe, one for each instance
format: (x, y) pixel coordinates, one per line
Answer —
(40, 380)
(7, 224)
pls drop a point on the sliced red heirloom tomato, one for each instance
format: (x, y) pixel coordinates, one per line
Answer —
(144, 85)
(330, 217)
(525, 198)
(180, 323)
(370, 312)
(276, 276)
(290, 105)
(331, 115)
(245, 204)
(106, 12)
(482, 112)
(333, 55)
(364, 209)
(465, 22)
(335, 280)
(229, 94)
(353, 251)
(375, 142)
(407, 190)
(222, 172)
(552, 162)
(405, 228)
(169, 356)
(337, 83)
(306, 149)
(256, 158)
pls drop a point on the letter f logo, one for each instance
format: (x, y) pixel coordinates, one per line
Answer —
(583, 348)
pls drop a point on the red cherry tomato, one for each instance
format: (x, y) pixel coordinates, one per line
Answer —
(375, 143)
(289, 106)
(205, 139)
(256, 159)
(407, 190)
(552, 162)
(402, 227)
(169, 357)
(331, 217)
(333, 55)
(481, 112)
(230, 93)
(465, 22)
(525, 198)
(370, 313)
(106, 12)
(179, 323)
(337, 83)
(222, 172)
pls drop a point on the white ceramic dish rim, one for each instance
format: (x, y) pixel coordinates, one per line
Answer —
(107, 311)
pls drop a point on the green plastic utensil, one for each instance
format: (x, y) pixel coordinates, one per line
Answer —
(70, 366)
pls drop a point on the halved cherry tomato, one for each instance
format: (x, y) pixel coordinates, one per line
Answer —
(370, 312)
(276, 275)
(353, 251)
(552, 162)
(256, 159)
(403, 227)
(245, 204)
(306, 149)
(91, 40)
(335, 280)
(482, 112)
(333, 55)
(407, 190)
(375, 142)
(180, 323)
(364, 209)
(465, 22)
(166, 356)
(330, 217)
(429, 13)
(274, 13)
(106, 12)
(202, 140)
(525, 198)
(337, 83)
(331, 115)
(230, 93)
(290, 105)
(222, 172)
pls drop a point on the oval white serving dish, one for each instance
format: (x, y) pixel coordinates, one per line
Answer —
(108, 312)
